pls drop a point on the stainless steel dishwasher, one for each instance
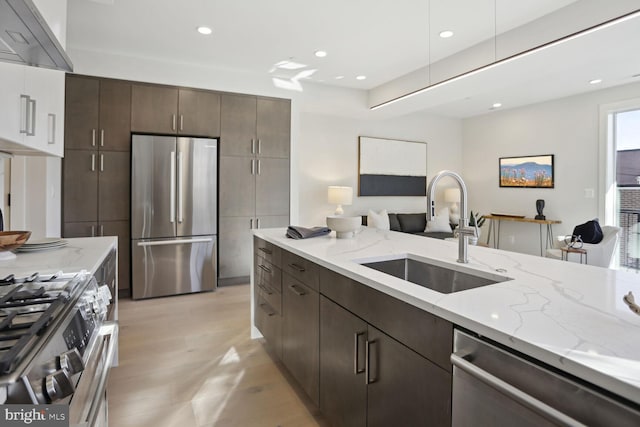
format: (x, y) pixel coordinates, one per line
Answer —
(494, 387)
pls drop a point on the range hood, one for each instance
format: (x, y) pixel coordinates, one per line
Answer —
(25, 37)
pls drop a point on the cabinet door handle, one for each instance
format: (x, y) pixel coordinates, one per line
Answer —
(266, 251)
(93, 163)
(297, 267)
(296, 290)
(93, 231)
(253, 167)
(51, 128)
(93, 137)
(259, 146)
(251, 224)
(101, 137)
(259, 167)
(173, 122)
(367, 363)
(265, 307)
(32, 119)
(356, 353)
(101, 230)
(181, 122)
(253, 146)
(264, 268)
(24, 113)
(258, 223)
(101, 162)
(265, 289)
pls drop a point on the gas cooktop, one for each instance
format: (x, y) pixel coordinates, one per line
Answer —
(28, 308)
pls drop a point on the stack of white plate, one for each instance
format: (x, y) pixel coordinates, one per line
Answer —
(45, 244)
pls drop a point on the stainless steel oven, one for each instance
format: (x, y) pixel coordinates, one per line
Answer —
(56, 344)
(493, 386)
(88, 406)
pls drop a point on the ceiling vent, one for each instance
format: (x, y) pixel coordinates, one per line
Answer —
(26, 38)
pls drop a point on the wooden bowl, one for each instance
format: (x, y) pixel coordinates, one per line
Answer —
(10, 240)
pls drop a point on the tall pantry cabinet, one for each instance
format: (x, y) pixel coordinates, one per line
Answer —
(96, 164)
(254, 176)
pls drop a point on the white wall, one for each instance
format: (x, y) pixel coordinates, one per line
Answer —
(328, 155)
(567, 128)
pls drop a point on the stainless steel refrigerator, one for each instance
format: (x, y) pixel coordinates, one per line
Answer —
(173, 215)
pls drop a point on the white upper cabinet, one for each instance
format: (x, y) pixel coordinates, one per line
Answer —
(32, 102)
(12, 119)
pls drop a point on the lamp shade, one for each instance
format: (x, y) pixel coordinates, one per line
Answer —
(452, 195)
(340, 195)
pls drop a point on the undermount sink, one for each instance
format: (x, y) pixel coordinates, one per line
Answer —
(433, 276)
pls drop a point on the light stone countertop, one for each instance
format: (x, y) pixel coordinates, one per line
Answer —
(567, 315)
(85, 253)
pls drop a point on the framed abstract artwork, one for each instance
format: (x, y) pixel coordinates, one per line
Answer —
(390, 167)
(527, 171)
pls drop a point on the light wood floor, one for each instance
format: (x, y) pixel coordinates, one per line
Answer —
(189, 361)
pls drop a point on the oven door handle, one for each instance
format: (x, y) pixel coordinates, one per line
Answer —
(458, 360)
(108, 332)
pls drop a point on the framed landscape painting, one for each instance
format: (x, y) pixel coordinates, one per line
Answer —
(527, 172)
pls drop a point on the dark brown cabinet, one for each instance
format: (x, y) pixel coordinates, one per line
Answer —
(370, 379)
(254, 148)
(273, 127)
(80, 186)
(170, 110)
(255, 126)
(96, 166)
(97, 114)
(300, 329)
(268, 295)
(343, 392)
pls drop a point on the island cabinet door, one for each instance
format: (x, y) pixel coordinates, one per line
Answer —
(343, 392)
(300, 330)
(404, 388)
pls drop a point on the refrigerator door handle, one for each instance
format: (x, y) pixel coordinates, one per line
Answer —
(180, 195)
(175, 241)
(172, 186)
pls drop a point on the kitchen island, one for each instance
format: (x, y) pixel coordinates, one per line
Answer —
(568, 316)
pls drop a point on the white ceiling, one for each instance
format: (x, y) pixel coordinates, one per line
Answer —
(382, 39)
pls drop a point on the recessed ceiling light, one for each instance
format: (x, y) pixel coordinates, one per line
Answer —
(339, 77)
(361, 77)
(321, 53)
(595, 81)
(497, 105)
(446, 34)
(204, 30)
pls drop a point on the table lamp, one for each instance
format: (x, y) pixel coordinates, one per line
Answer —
(339, 196)
(452, 195)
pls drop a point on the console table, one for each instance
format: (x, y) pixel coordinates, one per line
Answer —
(499, 218)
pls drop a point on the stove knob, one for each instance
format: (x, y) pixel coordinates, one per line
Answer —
(72, 362)
(58, 385)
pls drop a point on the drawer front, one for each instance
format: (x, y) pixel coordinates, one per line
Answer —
(267, 274)
(267, 293)
(424, 333)
(305, 271)
(268, 251)
(269, 323)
